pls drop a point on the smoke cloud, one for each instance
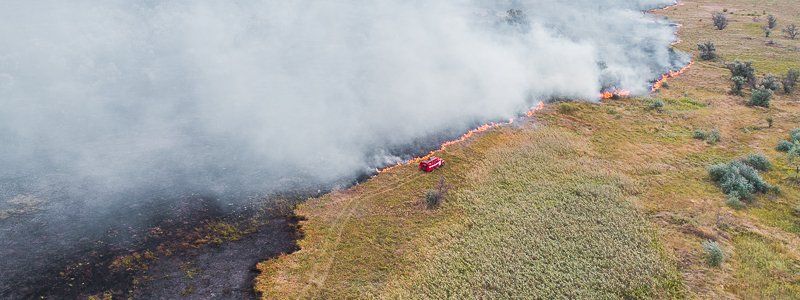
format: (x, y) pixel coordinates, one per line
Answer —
(108, 98)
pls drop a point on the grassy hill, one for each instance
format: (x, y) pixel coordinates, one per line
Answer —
(603, 200)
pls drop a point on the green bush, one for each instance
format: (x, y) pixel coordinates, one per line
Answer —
(761, 97)
(699, 134)
(737, 85)
(707, 51)
(758, 162)
(795, 135)
(784, 146)
(656, 105)
(738, 180)
(713, 137)
(790, 80)
(714, 253)
(770, 82)
(743, 69)
(433, 199)
(772, 22)
(720, 20)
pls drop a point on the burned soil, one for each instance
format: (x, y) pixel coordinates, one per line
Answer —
(63, 249)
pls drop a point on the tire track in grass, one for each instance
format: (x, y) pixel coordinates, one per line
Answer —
(342, 219)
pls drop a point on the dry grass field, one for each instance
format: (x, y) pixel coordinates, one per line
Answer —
(608, 200)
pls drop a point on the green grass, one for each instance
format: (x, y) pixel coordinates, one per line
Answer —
(764, 271)
(546, 226)
(524, 217)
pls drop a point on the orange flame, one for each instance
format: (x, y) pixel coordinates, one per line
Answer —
(614, 94)
(462, 138)
(671, 74)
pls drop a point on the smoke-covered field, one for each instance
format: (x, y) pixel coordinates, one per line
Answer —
(113, 111)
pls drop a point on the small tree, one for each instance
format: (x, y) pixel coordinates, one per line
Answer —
(791, 31)
(738, 85)
(772, 22)
(760, 97)
(790, 80)
(720, 20)
(707, 51)
(743, 69)
(770, 82)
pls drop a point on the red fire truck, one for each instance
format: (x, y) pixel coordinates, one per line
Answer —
(431, 164)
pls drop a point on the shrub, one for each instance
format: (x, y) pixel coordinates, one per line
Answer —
(713, 137)
(790, 80)
(707, 51)
(767, 31)
(772, 22)
(757, 161)
(699, 134)
(738, 85)
(714, 254)
(795, 135)
(720, 20)
(793, 158)
(770, 121)
(656, 105)
(435, 197)
(738, 180)
(743, 69)
(760, 97)
(770, 82)
(784, 146)
(791, 31)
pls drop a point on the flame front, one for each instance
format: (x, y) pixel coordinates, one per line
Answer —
(614, 94)
(463, 138)
(671, 74)
(609, 94)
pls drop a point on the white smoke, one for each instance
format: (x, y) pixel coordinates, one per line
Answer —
(117, 96)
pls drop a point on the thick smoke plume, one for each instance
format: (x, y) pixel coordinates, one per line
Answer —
(108, 98)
